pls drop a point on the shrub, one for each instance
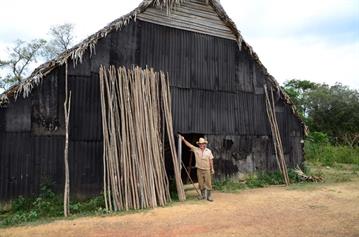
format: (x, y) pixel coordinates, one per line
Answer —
(93, 204)
(258, 180)
(21, 204)
(329, 154)
(318, 138)
(46, 205)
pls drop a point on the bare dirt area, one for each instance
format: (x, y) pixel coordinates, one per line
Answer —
(310, 211)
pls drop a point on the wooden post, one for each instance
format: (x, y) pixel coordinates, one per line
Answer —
(189, 167)
(169, 124)
(179, 152)
(67, 109)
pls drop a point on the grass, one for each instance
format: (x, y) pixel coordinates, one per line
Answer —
(332, 175)
(338, 173)
(48, 207)
(258, 180)
(329, 155)
(333, 163)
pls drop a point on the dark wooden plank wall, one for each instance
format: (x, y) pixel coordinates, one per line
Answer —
(216, 89)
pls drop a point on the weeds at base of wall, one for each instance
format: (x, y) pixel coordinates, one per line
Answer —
(338, 173)
(46, 206)
(257, 180)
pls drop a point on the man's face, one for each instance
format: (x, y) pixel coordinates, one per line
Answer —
(202, 146)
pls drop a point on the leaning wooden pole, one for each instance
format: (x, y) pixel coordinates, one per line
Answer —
(169, 124)
(270, 119)
(105, 137)
(277, 141)
(67, 110)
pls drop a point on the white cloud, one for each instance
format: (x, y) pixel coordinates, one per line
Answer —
(310, 59)
(279, 16)
(280, 32)
(38, 15)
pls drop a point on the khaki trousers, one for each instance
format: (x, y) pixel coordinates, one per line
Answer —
(204, 179)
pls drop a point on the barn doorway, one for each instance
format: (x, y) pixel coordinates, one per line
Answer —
(189, 159)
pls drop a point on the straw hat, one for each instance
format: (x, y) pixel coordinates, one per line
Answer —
(202, 141)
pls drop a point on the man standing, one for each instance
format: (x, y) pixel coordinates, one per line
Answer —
(204, 165)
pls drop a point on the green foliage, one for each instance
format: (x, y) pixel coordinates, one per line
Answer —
(333, 110)
(173, 189)
(258, 180)
(46, 205)
(263, 179)
(318, 138)
(21, 204)
(298, 91)
(228, 186)
(19, 60)
(23, 56)
(95, 204)
(330, 155)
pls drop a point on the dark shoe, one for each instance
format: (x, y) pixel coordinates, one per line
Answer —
(209, 196)
(203, 195)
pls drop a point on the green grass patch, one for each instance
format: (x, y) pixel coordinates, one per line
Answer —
(337, 173)
(329, 155)
(258, 180)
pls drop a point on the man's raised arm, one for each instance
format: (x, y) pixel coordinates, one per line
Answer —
(186, 142)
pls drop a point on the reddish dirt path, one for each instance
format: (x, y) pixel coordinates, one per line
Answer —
(330, 211)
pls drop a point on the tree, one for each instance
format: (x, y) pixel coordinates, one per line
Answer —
(20, 57)
(61, 39)
(335, 111)
(298, 92)
(24, 54)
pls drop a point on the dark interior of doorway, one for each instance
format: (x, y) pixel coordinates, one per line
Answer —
(188, 158)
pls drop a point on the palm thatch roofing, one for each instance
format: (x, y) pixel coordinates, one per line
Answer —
(75, 53)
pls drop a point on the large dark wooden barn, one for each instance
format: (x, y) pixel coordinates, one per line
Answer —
(217, 86)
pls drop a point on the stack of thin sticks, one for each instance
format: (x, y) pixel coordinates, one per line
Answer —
(278, 146)
(133, 158)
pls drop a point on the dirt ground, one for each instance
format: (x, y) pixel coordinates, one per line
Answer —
(324, 210)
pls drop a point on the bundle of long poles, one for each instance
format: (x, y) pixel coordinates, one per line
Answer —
(277, 141)
(134, 167)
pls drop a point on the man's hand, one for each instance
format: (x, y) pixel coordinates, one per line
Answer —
(212, 171)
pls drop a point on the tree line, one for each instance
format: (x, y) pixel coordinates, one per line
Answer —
(330, 112)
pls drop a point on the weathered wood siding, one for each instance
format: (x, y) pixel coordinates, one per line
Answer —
(194, 15)
(217, 90)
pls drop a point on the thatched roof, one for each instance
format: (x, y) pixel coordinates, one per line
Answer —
(75, 53)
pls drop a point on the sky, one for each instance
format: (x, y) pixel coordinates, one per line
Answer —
(316, 40)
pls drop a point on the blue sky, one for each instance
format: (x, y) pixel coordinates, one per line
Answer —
(316, 40)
